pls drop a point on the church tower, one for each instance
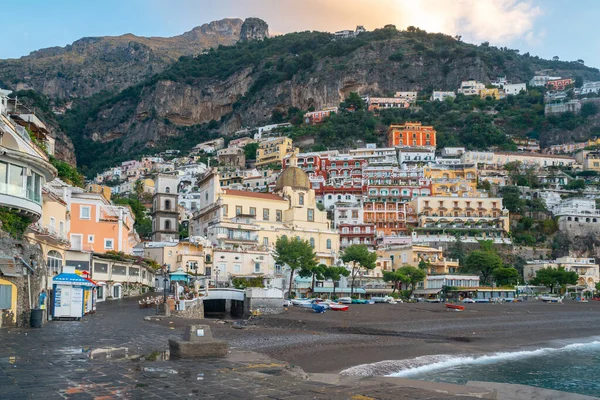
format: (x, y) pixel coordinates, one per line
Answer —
(165, 216)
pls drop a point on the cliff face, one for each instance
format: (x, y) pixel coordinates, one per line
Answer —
(254, 29)
(93, 64)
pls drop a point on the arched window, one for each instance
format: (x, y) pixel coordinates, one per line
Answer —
(167, 190)
(54, 261)
(167, 204)
(312, 242)
(329, 244)
(167, 225)
(301, 199)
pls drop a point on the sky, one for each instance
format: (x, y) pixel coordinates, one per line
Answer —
(547, 28)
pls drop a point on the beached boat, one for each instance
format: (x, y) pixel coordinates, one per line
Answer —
(550, 299)
(338, 307)
(455, 307)
(302, 302)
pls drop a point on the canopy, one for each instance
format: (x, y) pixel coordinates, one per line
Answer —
(74, 279)
(339, 290)
(179, 275)
(427, 291)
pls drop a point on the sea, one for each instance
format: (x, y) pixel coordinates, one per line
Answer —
(569, 366)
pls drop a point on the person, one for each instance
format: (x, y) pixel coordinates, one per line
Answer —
(43, 296)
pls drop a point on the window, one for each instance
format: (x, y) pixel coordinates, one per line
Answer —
(265, 214)
(328, 244)
(76, 241)
(167, 205)
(301, 199)
(354, 213)
(312, 242)
(90, 238)
(109, 244)
(167, 190)
(237, 268)
(54, 261)
(225, 210)
(356, 229)
(256, 268)
(84, 212)
(167, 225)
(100, 268)
(238, 210)
(61, 227)
(278, 215)
(266, 242)
(253, 211)
(311, 215)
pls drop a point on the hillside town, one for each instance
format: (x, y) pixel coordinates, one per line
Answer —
(216, 213)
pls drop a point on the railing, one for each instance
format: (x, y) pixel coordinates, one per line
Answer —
(50, 231)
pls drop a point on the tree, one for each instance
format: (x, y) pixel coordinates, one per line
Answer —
(589, 109)
(250, 151)
(505, 276)
(424, 265)
(412, 275)
(296, 254)
(396, 277)
(335, 274)
(580, 61)
(353, 101)
(138, 188)
(315, 272)
(598, 287)
(361, 258)
(456, 250)
(512, 200)
(483, 261)
(553, 277)
(577, 184)
(555, 58)
(578, 81)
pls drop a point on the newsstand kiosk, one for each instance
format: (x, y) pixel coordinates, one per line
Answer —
(69, 294)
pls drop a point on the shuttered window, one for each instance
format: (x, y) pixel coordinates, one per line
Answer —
(5, 297)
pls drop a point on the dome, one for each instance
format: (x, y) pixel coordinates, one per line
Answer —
(293, 177)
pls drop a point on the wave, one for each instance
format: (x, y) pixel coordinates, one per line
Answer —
(425, 364)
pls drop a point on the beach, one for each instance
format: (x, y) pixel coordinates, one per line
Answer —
(335, 341)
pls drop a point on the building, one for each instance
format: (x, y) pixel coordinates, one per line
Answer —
(97, 225)
(415, 155)
(411, 134)
(233, 219)
(588, 87)
(586, 268)
(471, 88)
(514, 88)
(377, 103)
(350, 234)
(209, 147)
(347, 33)
(578, 216)
(165, 215)
(559, 84)
(542, 80)
(441, 95)
(573, 106)
(232, 157)
(435, 260)
(499, 159)
(526, 144)
(565, 148)
(453, 151)
(411, 97)
(452, 180)
(188, 256)
(120, 277)
(241, 142)
(494, 93)
(316, 117)
(246, 263)
(268, 129)
(274, 150)
(591, 162)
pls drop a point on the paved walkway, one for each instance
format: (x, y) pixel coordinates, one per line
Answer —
(116, 354)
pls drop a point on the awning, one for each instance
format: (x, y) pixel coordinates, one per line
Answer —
(8, 267)
(379, 290)
(427, 291)
(339, 290)
(93, 283)
(72, 279)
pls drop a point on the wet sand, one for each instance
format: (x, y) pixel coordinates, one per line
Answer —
(334, 341)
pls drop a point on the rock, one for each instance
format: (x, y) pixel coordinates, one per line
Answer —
(254, 29)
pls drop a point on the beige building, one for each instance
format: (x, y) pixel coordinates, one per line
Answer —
(587, 269)
(448, 180)
(274, 150)
(232, 157)
(436, 262)
(191, 257)
(500, 159)
(230, 264)
(244, 220)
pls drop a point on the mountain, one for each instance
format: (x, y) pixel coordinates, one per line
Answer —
(93, 64)
(252, 82)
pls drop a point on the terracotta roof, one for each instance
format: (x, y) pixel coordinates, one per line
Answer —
(242, 193)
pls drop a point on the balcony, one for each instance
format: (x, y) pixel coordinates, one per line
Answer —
(50, 232)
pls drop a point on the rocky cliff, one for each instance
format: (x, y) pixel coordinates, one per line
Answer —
(254, 29)
(93, 64)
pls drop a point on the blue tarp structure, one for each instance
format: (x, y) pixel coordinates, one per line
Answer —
(73, 279)
(179, 276)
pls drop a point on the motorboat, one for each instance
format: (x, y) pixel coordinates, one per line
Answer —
(318, 308)
(338, 307)
(302, 302)
(455, 307)
(550, 299)
(345, 300)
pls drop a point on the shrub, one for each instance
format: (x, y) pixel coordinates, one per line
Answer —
(13, 223)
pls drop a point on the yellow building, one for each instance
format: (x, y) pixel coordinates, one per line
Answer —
(591, 162)
(234, 219)
(436, 262)
(191, 257)
(448, 180)
(494, 93)
(274, 150)
(445, 214)
(103, 190)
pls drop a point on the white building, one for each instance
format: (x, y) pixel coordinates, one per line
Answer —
(499, 159)
(586, 268)
(471, 88)
(453, 151)
(441, 96)
(514, 88)
(577, 210)
(542, 80)
(416, 155)
(263, 130)
(589, 87)
(573, 106)
(347, 213)
(408, 96)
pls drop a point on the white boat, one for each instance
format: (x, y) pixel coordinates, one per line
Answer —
(345, 300)
(302, 302)
(550, 299)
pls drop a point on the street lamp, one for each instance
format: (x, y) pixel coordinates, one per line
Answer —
(217, 270)
(165, 282)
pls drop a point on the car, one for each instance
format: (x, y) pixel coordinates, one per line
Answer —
(287, 303)
(468, 300)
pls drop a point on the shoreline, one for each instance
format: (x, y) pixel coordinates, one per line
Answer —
(333, 342)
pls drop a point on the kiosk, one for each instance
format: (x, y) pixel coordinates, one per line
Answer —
(68, 290)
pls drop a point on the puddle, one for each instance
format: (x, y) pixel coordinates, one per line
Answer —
(158, 356)
(115, 353)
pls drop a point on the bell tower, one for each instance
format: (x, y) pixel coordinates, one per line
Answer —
(165, 216)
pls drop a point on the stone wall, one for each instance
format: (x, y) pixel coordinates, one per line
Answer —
(266, 301)
(194, 309)
(32, 254)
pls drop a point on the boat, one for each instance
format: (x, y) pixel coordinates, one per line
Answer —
(550, 299)
(345, 300)
(319, 309)
(455, 307)
(302, 302)
(338, 307)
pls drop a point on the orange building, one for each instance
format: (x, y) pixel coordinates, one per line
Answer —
(411, 134)
(99, 226)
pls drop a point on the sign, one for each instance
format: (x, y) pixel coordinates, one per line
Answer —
(200, 332)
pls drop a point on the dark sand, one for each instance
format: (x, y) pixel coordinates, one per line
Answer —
(334, 341)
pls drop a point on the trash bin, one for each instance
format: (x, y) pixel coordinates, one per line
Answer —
(36, 318)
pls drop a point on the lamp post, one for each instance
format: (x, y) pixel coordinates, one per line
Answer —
(217, 277)
(165, 282)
